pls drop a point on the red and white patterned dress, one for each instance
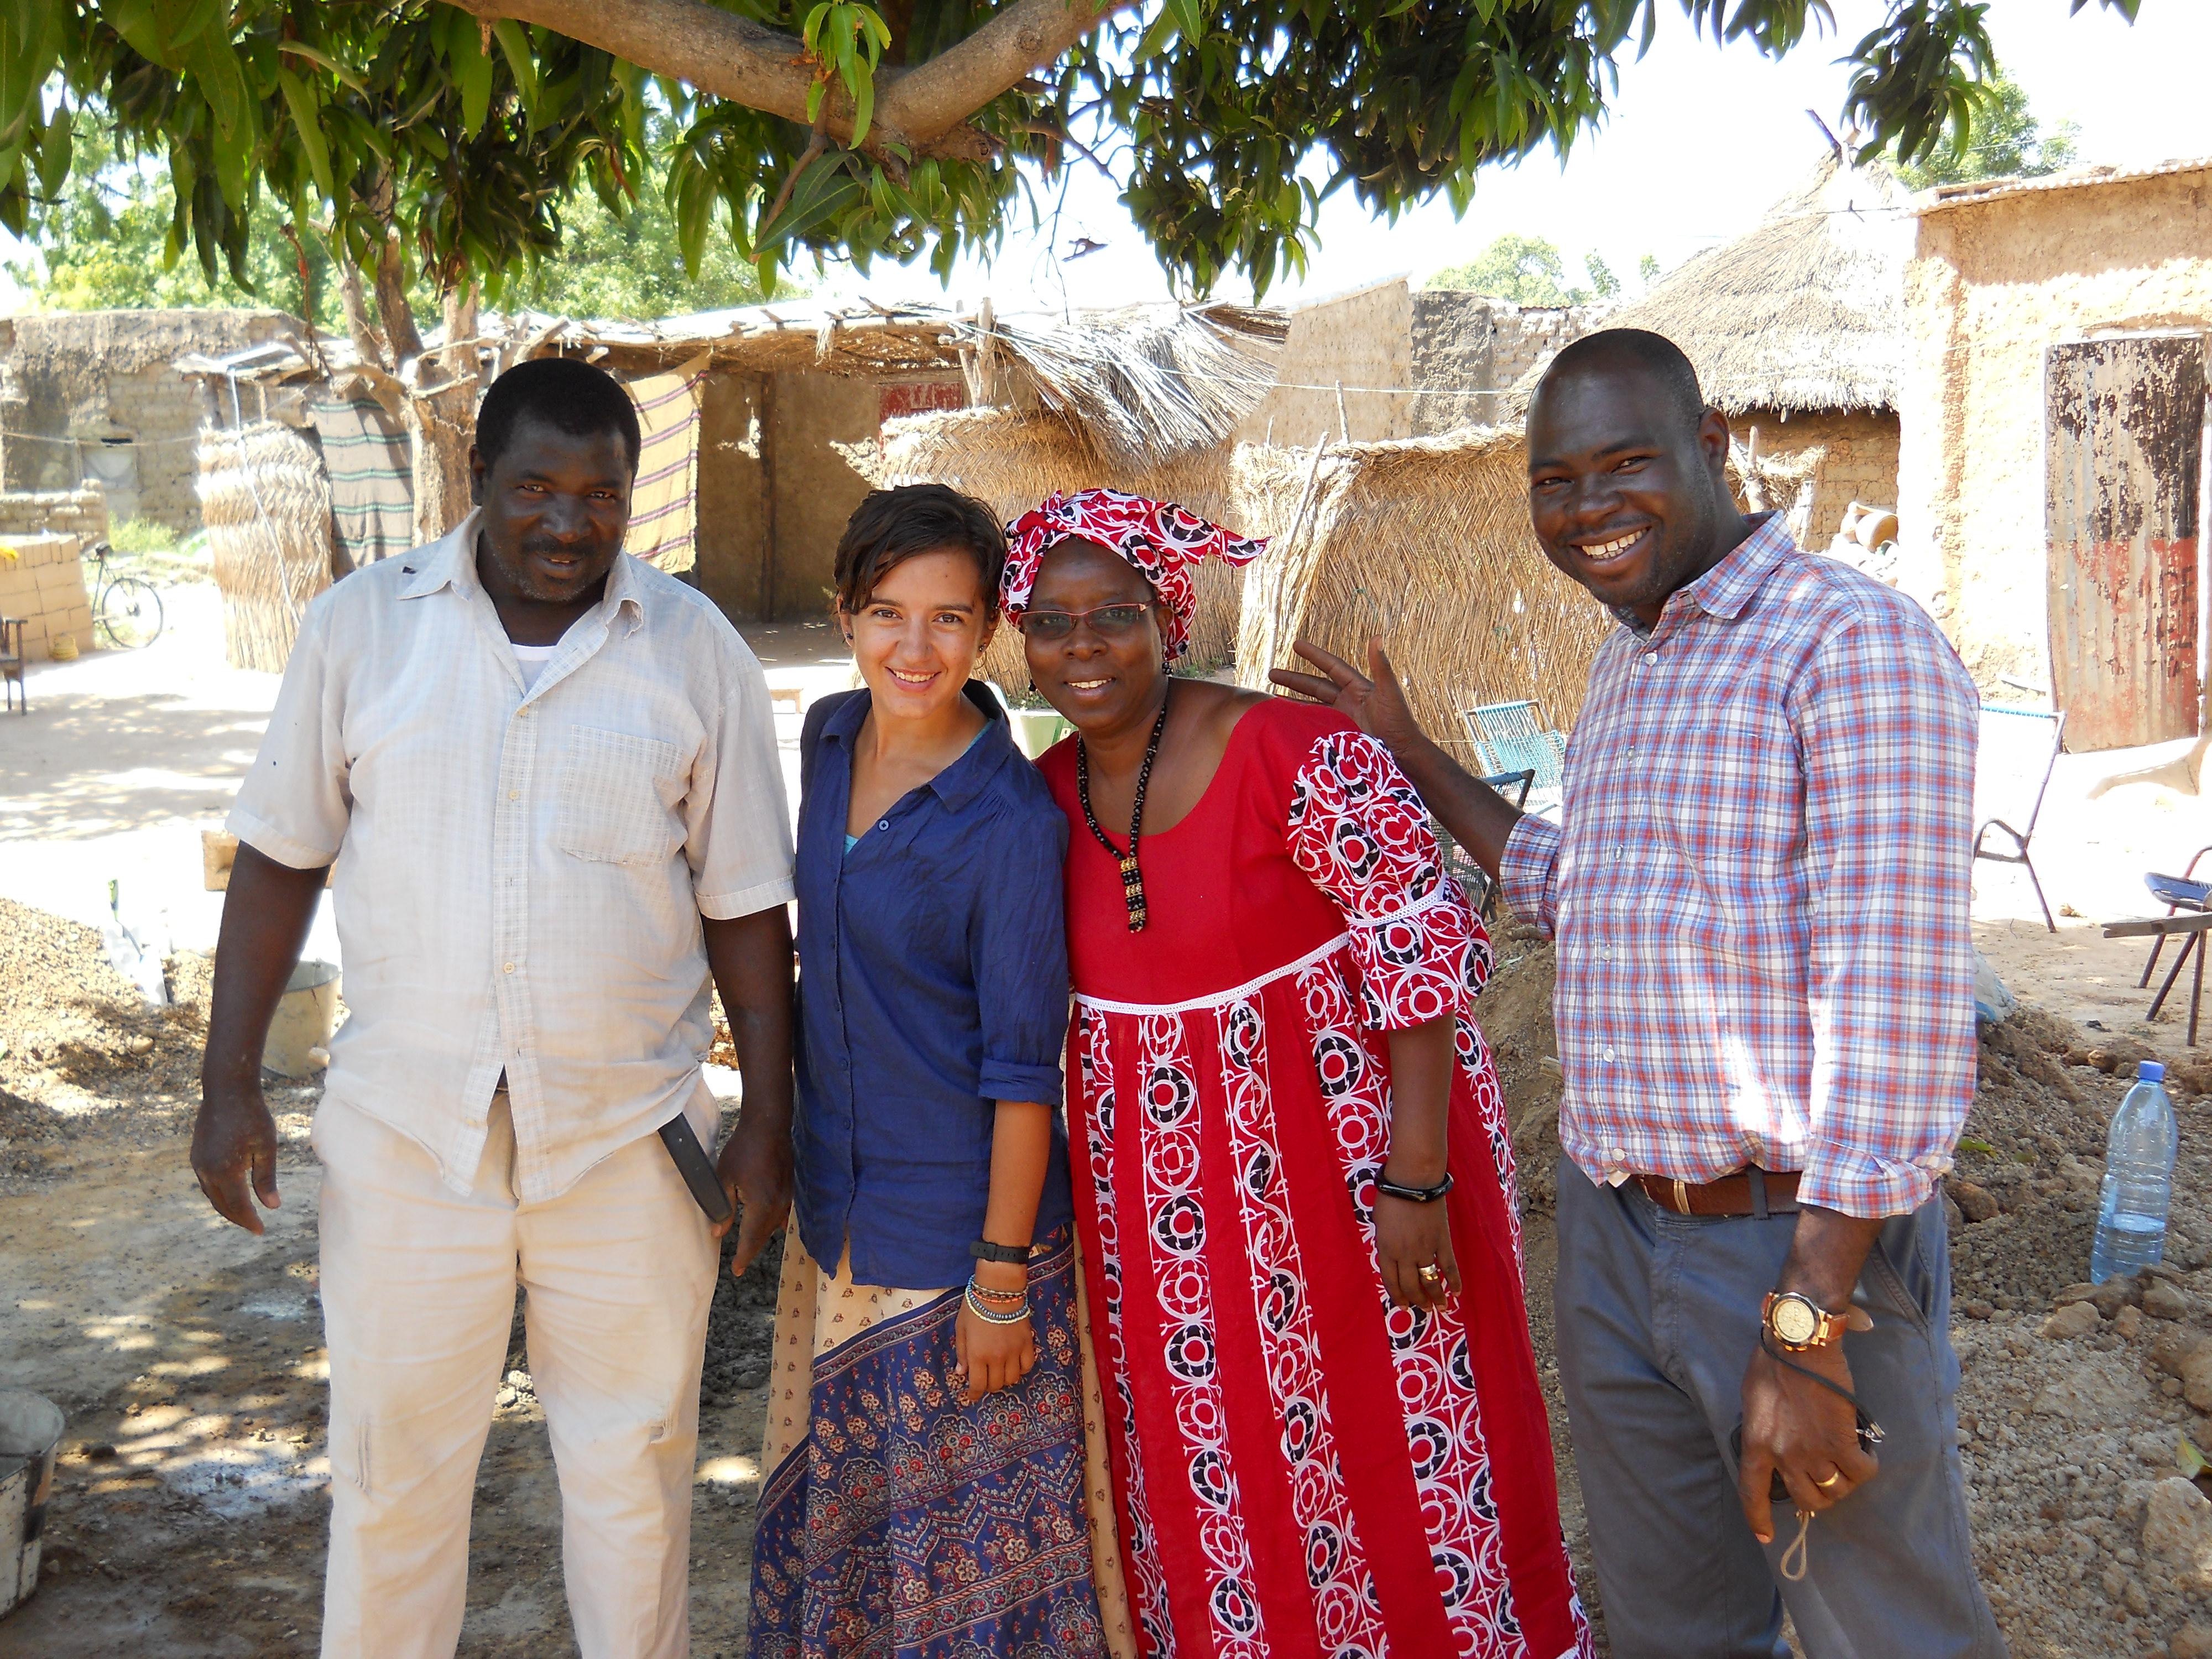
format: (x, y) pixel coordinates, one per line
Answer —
(1299, 1470)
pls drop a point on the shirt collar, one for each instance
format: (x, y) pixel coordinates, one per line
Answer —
(451, 562)
(1724, 590)
(967, 777)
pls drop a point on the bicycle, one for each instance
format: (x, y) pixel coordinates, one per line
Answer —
(125, 609)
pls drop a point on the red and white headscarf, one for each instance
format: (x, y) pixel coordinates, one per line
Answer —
(1160, 539)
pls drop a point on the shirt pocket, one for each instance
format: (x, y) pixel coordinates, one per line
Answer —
(616, 794)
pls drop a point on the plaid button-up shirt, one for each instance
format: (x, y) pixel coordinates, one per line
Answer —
(1759, 887)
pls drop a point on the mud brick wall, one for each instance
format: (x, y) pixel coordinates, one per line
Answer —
(79, 513)
(43, 586)
(1858, 458)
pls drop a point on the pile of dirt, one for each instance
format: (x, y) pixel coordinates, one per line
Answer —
(77, 1041)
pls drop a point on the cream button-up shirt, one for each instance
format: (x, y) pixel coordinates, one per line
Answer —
(521, 872)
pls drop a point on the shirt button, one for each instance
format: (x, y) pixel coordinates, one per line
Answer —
(883, 824)
(1605, 952)
(1608, 1054)
(509, 968)
(1620, 1154)
(1651, 659)
(514, 795)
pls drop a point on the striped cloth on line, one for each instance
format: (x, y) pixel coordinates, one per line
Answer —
(663, 505)
(372, 479)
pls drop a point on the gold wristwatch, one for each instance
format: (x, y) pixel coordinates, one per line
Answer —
(1796, 1322)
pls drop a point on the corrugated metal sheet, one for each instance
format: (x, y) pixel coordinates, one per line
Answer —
(2125, 441)
(1946, 196)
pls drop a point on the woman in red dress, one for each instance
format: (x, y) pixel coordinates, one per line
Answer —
(1293, 1183)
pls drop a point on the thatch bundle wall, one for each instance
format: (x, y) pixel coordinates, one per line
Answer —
(1425, 542)
(1014, 460)
(265, 501)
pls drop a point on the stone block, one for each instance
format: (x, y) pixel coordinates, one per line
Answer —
(2178, 1534)
(2075, 1319)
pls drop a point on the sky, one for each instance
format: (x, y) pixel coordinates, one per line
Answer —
(1701, 140)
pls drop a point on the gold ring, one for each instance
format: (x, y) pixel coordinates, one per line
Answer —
(1830, 1481)
(1433, 1274)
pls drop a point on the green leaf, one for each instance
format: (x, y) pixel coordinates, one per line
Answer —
(1190, 18)
(514, 43)
(54, 154)
(214, 65)
(307, 120)
(2186, 1458)
(473, 71)
(824, 190)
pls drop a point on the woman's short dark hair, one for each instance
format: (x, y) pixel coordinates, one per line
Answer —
(566, 394)
(893, 525)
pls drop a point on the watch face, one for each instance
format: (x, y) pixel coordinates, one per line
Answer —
(1793, 1320)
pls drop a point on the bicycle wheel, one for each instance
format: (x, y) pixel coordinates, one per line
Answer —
(130, 613)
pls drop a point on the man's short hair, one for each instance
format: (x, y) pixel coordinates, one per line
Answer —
(565, 393)
(1639, 348)
(890, 526)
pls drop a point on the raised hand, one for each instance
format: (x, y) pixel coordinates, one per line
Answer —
(1375, 701)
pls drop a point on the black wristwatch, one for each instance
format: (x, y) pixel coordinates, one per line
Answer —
(1413, 1194)
(1011, 1255)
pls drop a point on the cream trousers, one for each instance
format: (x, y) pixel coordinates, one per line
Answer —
(418, 1294)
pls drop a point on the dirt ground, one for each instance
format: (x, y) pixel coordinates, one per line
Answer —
(189, 1510)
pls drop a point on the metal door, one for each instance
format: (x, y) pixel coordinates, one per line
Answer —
(2124, 447)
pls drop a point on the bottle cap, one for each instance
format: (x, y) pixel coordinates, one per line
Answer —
(2150, 1071)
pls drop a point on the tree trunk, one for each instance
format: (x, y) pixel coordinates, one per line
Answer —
(442, 417)
(359, 329)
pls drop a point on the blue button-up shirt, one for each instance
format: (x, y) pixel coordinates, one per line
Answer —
(933, 985)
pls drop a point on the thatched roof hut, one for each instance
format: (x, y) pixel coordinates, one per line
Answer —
(1797, 330)
(1806, 313)
(793, 398)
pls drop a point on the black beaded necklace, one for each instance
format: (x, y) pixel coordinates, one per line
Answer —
(1133, 880)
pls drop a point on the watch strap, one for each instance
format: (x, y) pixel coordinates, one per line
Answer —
(1011, 1255)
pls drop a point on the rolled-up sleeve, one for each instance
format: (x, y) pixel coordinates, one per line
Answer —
(1019, 946)
(295, 805)
(737, 827)
(1886, 721)
(1529, 872)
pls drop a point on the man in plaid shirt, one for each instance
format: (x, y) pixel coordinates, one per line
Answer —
(1758, 886)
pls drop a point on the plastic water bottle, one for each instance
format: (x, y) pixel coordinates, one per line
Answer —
(2138, 1179)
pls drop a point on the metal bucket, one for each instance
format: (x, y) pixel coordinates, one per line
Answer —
(30, 1429)
(299, 1035)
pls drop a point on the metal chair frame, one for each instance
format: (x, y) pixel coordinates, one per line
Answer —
(2021, 837)
(1482, 888)
(14, 690)
(2157, 945)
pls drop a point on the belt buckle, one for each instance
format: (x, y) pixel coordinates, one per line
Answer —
(1681, 1195)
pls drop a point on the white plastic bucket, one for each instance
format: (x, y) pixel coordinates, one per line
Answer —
(30, 1429)
(299, 1035)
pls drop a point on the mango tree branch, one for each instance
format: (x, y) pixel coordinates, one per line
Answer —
(926, 108)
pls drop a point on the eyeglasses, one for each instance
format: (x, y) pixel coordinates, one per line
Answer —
(1109, 621)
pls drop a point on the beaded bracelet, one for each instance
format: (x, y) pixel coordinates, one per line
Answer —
(990, 1318)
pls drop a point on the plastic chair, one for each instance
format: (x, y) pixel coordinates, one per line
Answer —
(14, 693)
(1512, 737)
(2012, 770)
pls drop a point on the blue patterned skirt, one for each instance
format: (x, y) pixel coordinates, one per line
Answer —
(896, 1522)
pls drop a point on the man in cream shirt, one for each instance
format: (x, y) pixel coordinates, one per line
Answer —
(547, 774)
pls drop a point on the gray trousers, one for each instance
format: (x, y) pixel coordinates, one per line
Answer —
(1658, 1316)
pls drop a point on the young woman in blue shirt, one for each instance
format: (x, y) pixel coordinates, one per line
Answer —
(926, 1473)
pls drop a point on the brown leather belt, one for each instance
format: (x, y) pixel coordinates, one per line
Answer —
(1738, 1193)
